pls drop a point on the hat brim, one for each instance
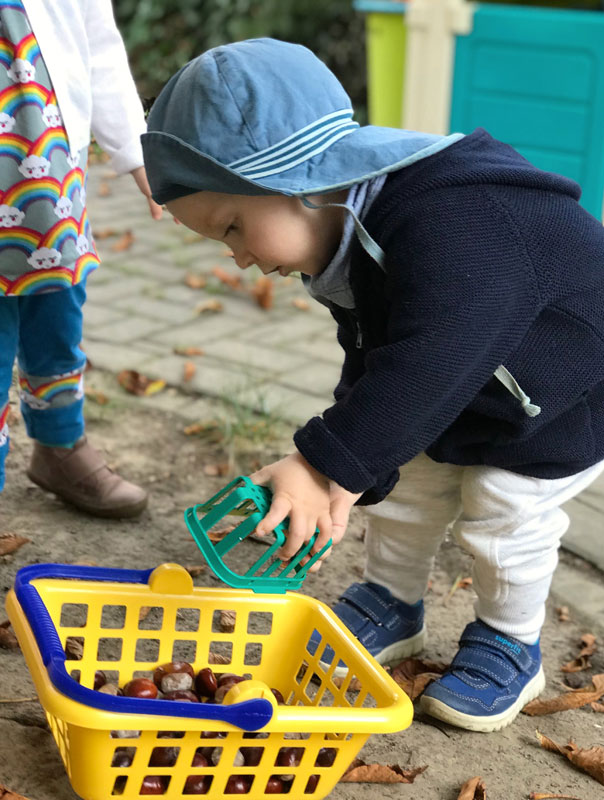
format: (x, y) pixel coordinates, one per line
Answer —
(176, 168)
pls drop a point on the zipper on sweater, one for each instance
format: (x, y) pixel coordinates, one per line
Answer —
(359, 342)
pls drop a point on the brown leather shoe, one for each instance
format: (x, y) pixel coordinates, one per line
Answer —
(80, 476)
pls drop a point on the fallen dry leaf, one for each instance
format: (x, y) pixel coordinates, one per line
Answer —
(548, 796)
(195, 570)
(6, 794)
(215, 470)
(300, 304)
(143, 612)
(189, 369)
(581, 662)
(226, 621)
(234, 281)
(262, 291)
(474, 789)
(599, 707)
(212, 306)
(195, 427)
(104, 189)
(125, 242)
(413, 675)
(187, 351)
(563, 614)
(218, 534)
(194, 281)
(360, 772)
(99, 398)
(8, 640)
(10, 542)
(138, 384)
(590, 761)
(85, 562)
(105, 233)
(573, 698)
(217, 658)
(74, 649)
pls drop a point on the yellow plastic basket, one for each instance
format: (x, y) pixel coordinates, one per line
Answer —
(129, 621)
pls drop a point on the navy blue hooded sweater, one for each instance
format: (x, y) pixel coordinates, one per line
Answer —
(489, 261)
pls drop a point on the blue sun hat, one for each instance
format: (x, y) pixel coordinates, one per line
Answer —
(267, 117)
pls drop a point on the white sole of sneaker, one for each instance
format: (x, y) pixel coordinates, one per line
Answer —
(436, 708)
(391, 654)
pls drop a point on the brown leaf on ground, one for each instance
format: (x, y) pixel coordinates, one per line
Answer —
(195, 570)
(189, 369)
(355, 684)
(573, 698)
(143, 613)
(581, 662)
(263, 291)
(85, 562)
(8, 640)
(590, 761)
(187, 351)
(218, 534)
(209, 306)
(599, 707)
(10, 543)
(360, 772)
(563, 614)
(138, 384)
(300, 304)
(474, 789)
(104, 189)
(548, 796)
(99, 398)
(104, 233)
(125, 242)
(6, 794)
(217, 658)
(234, 281)
(194, 281)
(195, 427)
(74, 649)
(413, 675)
(217, 470)
(226, 622)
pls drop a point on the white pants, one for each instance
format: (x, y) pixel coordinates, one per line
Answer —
(511, 524)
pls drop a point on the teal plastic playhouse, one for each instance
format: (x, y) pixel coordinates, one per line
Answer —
(532, 76)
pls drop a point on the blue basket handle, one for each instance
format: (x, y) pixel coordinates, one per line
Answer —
(250, 715)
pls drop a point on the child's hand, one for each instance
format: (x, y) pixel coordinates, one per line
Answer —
(309, 499)
(140, 176)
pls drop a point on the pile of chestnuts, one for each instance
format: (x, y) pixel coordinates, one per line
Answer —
(177, 681)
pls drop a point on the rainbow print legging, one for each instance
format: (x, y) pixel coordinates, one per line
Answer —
(43, 332)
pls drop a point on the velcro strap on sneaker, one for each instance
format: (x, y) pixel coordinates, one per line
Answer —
(480, 662)
(367, 601)
(479, 635)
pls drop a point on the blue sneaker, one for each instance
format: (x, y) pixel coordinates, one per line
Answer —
(489, 681)
(390, 629)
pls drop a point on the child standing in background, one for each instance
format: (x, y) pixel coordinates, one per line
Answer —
(63, 72)
(462, 280)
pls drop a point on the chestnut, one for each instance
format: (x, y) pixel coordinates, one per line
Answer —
(153, 784)
(289, 757)
(221, 691)
(121, 758)
(229, 678)
(164, 756)
(238, 784)
(110, 688)
(278, 697)
(100, 679)
(141, 687)
(326, 756)
(311, 784)
(187, 697)
(274, 785)
(200, 759)
(176, 682)
(205, 682)
(251, 755)
(171, 667)
(197, 784)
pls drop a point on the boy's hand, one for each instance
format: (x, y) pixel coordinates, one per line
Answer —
(140, 176)
(309, 499)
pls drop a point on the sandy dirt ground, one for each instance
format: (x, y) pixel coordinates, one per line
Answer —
(149, 446)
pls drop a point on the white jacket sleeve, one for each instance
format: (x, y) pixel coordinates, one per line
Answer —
(117, 113)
